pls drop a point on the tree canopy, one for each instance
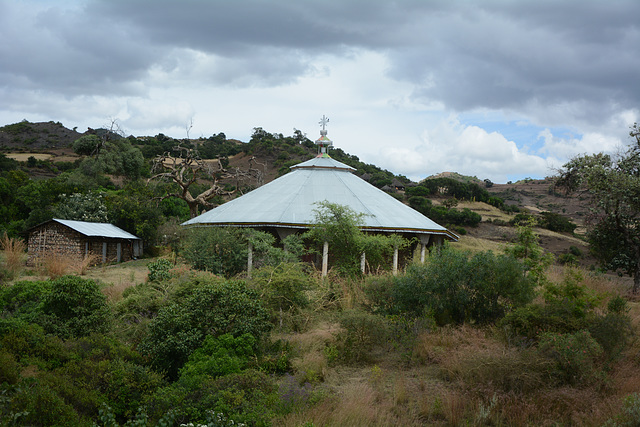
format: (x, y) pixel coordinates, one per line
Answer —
(612, 184)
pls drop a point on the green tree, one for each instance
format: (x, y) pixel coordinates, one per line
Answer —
(527, 249)
(339, 226)
(612, 184)
(86, 145)
(81, 207)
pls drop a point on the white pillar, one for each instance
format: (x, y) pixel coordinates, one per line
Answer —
(424, 241)
(249, 260)
(395, 261)
(325, 259)
(363, 259)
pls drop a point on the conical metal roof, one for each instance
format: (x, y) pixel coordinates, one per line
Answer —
(290, 201)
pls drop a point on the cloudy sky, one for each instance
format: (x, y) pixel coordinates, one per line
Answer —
(498, 89)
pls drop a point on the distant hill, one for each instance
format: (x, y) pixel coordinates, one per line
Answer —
(457, 177)
(27, 136)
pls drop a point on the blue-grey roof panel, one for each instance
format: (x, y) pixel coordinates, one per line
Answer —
(97, 229)
(290, 201)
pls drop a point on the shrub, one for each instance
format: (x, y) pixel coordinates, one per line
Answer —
(218, 250)
(217, 357)
(613, 329)
(556, 222)
(568, 259)
(23, 299)
(455, 288)
(39, 405)
(629, 414)
(575, 356)
(282, 288)
(159, 270)
(9, 368)
(567, 308)
(75, 307)
(247, 397)
(574, 250)
(210, 309)
(379, 290)
(361, 332)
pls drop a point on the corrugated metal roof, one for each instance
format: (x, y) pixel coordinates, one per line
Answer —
(96, 229)
(290, 201)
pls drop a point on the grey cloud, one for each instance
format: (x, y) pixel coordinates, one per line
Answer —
(486, 54)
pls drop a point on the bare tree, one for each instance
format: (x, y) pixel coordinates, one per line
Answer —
(186, 168)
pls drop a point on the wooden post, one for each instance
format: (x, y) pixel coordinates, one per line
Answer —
(104, 252)
(250, 260)
(423, 250)
(325, 259)
(363, 259)
(395, 261)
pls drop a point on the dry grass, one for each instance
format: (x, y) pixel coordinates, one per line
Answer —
(13, 251)
(485, 210)
(82, 266)
(54, 265)
(474, 244)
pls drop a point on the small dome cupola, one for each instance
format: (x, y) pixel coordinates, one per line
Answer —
(323, 142)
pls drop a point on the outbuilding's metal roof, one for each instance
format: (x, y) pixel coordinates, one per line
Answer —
(291, 200)
(97, 229)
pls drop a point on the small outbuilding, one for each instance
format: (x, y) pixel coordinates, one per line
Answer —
(77, 239)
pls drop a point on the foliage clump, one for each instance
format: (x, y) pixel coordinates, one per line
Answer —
(210, 308)
(612, 185)
(455, 287)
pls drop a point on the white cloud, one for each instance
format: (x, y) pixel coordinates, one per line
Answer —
(469, 150)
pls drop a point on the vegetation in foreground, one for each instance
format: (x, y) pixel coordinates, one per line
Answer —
(480, 339)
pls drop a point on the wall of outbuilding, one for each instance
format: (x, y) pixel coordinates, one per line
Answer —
(56, 239)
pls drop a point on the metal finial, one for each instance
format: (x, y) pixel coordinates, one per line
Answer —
(324, 122)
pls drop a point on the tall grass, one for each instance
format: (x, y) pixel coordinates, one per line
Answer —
(13, 251)
(54, 265)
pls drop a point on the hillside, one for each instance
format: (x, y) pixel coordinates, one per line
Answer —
(36, 137)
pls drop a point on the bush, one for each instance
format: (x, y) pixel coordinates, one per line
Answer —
(455, 288)
(282, 288)
(211, 309)
(248, 397)
(39, 405)
(575, 356)
(379, 290)
(159, 270)
(556, 222)
(75, 307)
(218, 250)
(23, 300)
(361, 332)
(218, 357)
(629, 414)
